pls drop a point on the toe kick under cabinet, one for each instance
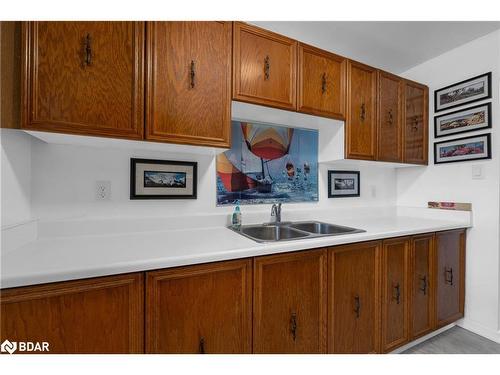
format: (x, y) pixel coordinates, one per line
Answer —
(368, 297)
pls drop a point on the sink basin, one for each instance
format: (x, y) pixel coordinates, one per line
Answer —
(271, 233)
(318, 227)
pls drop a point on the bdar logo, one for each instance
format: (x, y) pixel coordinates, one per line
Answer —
(8, 346)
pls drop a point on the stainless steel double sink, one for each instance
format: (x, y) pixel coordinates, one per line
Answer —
(287, 231)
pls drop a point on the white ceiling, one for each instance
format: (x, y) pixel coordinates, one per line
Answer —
(393, 46)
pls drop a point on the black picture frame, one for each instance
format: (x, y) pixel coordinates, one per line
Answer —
(488, 145)
(487, 75)
(133, 164)
(332, 172)
(436, 118)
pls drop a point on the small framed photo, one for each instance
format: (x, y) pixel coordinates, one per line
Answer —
(463, 149)
(468, 91)
(463, 120)
(343, 184)
(162, 179)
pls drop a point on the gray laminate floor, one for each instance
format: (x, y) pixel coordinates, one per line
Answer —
(456, 341)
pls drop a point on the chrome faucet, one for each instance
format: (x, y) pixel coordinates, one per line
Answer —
(276, 212)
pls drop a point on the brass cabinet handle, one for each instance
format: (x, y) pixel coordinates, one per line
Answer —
(415, 123)
(424, 281)
(323, 83)
(448, 271)
(397, 297)
(267, 68)
(357, 305)
(363, 112)
(192, 74)
(88, 50)
(390, 120)
(201, 348)
(293, 325)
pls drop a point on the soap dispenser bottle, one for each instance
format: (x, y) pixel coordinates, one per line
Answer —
(236, 218)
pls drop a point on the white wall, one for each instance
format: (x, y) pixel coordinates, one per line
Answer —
(64, 177)
(453, 182)
(15, 176)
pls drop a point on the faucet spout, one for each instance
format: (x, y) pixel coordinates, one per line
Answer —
(276, 212)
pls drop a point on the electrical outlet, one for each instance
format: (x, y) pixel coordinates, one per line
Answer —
(103, 190)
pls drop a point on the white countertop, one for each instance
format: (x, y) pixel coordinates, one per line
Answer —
(59, 258)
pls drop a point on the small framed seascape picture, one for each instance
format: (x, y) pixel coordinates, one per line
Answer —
(464, 92)
(463, 149)
(463, 120)
(162, 179)
(343, 184)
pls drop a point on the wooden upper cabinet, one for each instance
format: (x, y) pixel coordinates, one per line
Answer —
(361, 127)
(84, 78)
(390, 117)
(264, 67)
(416, 126)
(421, 285)
(450, 276)
(188, 94)
(395, 293)
(99, 315)
(290, 303)
(354, 298)
(321, 83)
(200, 309)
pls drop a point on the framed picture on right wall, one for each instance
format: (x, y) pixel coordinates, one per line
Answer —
(463, 149)
(463, 120)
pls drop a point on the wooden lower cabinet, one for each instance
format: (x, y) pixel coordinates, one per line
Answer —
(368, 297)
(290, 303)
(99, 315)
(395, 293)
(422, 292)
(200, 309)
(450, 276)
(353, 298)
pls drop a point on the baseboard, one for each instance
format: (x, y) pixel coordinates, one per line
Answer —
(479, 329)
(422, 339)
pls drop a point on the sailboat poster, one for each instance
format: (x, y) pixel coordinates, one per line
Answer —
(268, 164)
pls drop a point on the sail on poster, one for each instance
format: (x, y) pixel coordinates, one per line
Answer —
(268, 164)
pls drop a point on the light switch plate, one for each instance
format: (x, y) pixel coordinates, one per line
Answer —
(477, 172)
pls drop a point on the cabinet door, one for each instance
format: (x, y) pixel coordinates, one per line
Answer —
(290, 303)
(354, 295)
(361, 135)
(390, 118)
(188, 95)
(264, 67)
(395, 294)
(200, 309)
(416, 123)
(422, 281)
(100, 315)
(450, 272)
(84, 78)
(322, 82)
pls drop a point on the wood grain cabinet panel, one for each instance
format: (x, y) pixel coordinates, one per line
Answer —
(264, 67)
(361, 126)
(290, 303)
(200, 309)
(395, 293)
(188, 95)
(422, 285)
(100, 315)
(416, 126)
(84, 78)
(321, 83)
(450, 276)
(390, 117)
(354, 298)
